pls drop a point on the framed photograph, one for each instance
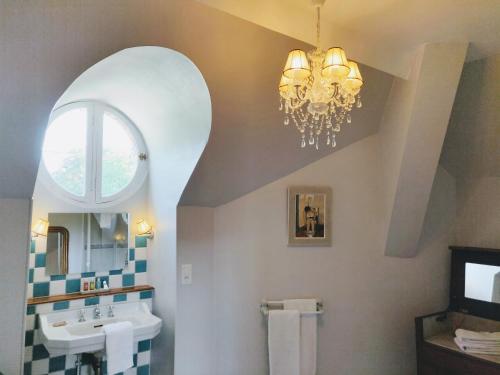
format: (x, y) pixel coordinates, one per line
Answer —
(309, 216)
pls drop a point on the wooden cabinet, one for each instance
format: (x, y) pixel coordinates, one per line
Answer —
(437, 353)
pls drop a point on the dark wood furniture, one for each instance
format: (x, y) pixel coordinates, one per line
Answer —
(437, 353)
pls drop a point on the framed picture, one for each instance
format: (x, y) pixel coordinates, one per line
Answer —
(309, 216)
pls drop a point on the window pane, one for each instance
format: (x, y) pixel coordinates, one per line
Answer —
(119, 156)
(64, 150)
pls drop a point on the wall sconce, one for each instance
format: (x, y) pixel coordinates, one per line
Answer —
(144, 229)
(40, 228)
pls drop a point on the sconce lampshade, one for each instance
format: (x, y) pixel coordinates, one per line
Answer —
(335, 64)
(143, 228)
(40, 228)
(354, 81)
(297, 65)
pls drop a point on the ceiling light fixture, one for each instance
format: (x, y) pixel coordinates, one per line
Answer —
(318, 90)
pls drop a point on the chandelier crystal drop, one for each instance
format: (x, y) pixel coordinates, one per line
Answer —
(318, 91)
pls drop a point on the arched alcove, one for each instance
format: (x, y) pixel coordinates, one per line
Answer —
(164, 94)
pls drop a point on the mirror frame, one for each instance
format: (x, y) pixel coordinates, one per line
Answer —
(64, 247)
(458, 302)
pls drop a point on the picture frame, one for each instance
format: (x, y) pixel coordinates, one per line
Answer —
(309, 216)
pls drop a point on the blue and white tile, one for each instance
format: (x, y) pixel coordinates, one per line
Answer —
(143, 358)
(106, 300)
(141, 253)
(40, 244)
(31, 261)
(40, 275)
(30, 322)
(58, 287)
(40, 367)
(131, 371)
(133, 297)
(77, 304)
(70, 361)
(44, 308)
(29, 291)
(115, 281)
(28, 353)
(141, 278)
(37, 338)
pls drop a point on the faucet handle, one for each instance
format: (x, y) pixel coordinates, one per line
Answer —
(81, 315)
(111, 311)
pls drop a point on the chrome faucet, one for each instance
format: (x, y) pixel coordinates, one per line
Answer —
(111, 311)
(97, 312)
(81, 316)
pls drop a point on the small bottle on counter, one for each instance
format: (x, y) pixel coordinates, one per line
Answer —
(92, 285)
(85, 286)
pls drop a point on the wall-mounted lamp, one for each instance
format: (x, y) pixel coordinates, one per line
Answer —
(40, 228)
(144, 229)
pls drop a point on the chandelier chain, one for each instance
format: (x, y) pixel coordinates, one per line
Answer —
(318, 26)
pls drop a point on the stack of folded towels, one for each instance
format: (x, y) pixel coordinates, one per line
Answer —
(478, 342)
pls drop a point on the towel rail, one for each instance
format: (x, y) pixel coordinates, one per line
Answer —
(266, 306)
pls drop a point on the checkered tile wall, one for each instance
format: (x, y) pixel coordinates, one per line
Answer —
(37, 360)
(42, 285)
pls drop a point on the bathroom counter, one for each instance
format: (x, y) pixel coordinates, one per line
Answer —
(73, 296)
(446, 340)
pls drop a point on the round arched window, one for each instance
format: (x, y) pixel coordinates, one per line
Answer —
(93, 154)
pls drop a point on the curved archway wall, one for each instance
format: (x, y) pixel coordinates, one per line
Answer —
(165, 95)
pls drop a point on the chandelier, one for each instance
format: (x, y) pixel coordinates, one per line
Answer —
(318, 90)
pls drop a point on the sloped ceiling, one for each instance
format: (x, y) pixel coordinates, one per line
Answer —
(44, 46)
(384, 34)
(474, 125)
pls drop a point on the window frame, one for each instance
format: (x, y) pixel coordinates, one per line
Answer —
(93, 159)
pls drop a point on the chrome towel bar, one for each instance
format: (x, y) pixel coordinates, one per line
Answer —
(266, 306)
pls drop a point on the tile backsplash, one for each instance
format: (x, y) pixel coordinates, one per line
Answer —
(42, 285)
(37, 360)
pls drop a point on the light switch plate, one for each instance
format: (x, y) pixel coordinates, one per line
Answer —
(187, 274)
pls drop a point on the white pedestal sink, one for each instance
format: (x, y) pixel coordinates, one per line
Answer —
(76, 337)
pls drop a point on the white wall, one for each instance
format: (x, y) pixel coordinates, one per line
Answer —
(195, 350)
(370, 299)
(415, 119)
(471, 153)
(13, 275)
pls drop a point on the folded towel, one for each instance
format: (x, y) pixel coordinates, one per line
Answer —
(308, 333)
(284, 342)
(479, 336)
(119, 346)
(477, 349)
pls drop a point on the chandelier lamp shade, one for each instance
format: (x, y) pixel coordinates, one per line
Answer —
(318, 90)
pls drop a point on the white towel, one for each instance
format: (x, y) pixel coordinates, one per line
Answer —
(308, 333)
(477, 348)
(119, 346)
(284, 342)
(478, 336)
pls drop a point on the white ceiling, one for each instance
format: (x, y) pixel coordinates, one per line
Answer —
(383, 34)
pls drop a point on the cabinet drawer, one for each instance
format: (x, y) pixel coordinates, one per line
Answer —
(437, 361)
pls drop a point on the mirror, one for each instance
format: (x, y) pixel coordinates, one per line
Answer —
(87, 242)
(482, 282)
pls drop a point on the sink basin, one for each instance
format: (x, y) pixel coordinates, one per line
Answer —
(87, 337)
